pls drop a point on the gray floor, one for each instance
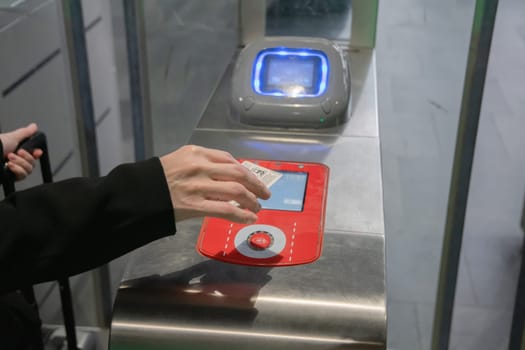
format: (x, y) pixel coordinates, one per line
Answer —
(422, 50)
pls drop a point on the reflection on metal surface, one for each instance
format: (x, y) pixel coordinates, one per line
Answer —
(172, 286)
(284, 139)
(229, 333)
(320, 304)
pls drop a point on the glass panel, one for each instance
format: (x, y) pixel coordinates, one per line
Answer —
(330, 19)
(422, 49)
(9, 4)
(492, 247)
(10, 9)
(189, 45)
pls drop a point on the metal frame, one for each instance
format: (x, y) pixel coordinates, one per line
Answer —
(479, 50)
(86, 124)
(364, 23)
(81, 85)
(252, 20)
(517, 332)
(138, 78)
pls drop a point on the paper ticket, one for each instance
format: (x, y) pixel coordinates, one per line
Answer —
(267, 176)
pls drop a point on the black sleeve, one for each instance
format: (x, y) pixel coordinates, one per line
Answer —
(68, 227)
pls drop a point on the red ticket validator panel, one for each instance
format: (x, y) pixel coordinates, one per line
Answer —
(290, 227)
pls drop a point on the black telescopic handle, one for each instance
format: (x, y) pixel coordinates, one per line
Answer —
(37, 140)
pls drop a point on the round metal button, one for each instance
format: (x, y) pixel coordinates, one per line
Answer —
(248, 233)
(260, 240)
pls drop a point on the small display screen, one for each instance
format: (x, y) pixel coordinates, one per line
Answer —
(290, 72)
(290, 75)
(284, 72)
(288, 192)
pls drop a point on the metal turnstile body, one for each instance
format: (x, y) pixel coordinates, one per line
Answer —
(173, 298)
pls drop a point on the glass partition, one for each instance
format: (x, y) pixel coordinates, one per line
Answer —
(422, 50)
(492, 251)
(189, 45)
(331, 19)
(422, 54)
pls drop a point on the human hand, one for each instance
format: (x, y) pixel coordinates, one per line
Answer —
(202, 181)
(20, 163)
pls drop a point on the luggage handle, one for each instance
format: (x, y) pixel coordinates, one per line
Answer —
(39, 140)
(35, 141)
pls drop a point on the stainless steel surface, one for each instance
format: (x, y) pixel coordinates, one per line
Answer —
(354, 189)
(184, 299)
(171, 297)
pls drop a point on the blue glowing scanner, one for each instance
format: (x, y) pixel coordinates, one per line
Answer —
(291, 81)
(290, 72)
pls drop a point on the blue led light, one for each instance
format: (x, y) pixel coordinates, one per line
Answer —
(262, 60)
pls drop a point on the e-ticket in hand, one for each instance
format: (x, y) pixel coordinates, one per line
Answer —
(267, 176)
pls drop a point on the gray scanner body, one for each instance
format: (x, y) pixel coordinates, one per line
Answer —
(253, 105)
